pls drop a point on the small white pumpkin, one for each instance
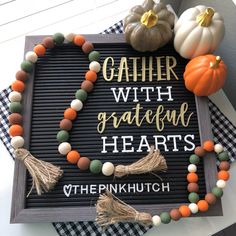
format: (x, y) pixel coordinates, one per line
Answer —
(198, 31)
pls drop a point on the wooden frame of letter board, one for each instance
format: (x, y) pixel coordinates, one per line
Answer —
(20, 214)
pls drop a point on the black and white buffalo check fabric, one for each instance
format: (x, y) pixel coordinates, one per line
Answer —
(223, 130)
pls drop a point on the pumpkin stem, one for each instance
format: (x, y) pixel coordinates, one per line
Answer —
(204, 19)
(149, 19)
(215, 64)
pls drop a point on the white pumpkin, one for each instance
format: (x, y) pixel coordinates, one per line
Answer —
(198, 31)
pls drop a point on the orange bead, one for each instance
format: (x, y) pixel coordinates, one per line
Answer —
(73, 157)
(208, 145)
(223, 174)
(79, 40)
(18, 86)
(40, 50)
(91, 76)
(203, 205)
(70, 114)
(192, 177)
(16, 130)
(184, 211)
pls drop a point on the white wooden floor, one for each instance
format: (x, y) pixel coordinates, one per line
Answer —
(19, 18)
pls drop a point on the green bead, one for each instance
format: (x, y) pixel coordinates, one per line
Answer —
(27, 66)
(165, 217)
(218, 192)
(194, 159)
(223, 156)
(81, 95)
(58, 38)
(62, 136)
(193, 197)
(95, 166)
(94, 56)
(15, 107)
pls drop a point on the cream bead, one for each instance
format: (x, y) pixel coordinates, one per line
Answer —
(193, 208)
(15, 96)
(108, 168)
(17, 142)
(69, 37)
(76, 104)
(221, 183)
(192, 168)
(31, 56)
(218, 148)
(95, 66)
(156, 220)
(64, 148)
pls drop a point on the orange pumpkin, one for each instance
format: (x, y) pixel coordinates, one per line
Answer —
(205, 75)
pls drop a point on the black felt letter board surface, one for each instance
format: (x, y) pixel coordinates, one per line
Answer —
(56, 78)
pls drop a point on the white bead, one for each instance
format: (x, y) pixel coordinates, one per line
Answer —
(17, 142)
(108, 168)
(69, 37)
(31, 56)
(192, 168)
(221, 183)
(193, 208)
(156, 220)
(95, 66)
(15, 96)
(64, 148)
(218, 148)
(76, 104)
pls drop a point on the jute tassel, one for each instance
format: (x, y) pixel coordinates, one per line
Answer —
(111, 210)
(153, 162)
(45, 175)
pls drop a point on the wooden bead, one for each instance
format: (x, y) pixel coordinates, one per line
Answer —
(192, 177)
(108, 168)
(66, 124)
(18, 86)
(48, 42)
(210, 198)
(17, 142)
(193, 208)
(40, 50)
(87, 86)
(70, 114)
(31, 56)
(194, 159)
(64, 148)
(192, 168)
(218, 192)
(87, 47)
(15, 96)
(95, 166)
(91, 76)
(83, 163)
(218, 148)
(224, 165)
(58, 38)
(15, 119)
(81, 95)
(193, 197)
(223, 174)
(94, 56)
(27, 66)
(69, 37)
(156, 220)
(165, 217)
(22, 75)
(95, 66)
(193, 187)
(202, 205)
(199, 151)
(15, 107)
(79, 40)
(76, 104)
(16, 130)
(184, 211)
(73, 157)
(208, 145)
(175, 214)
(221, 183)
(62, 136)
(223, 156)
